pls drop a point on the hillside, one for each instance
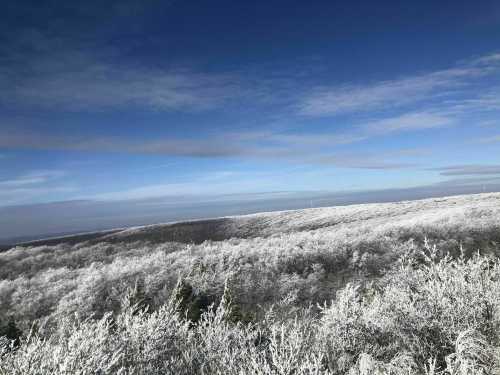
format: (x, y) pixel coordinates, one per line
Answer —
(271, 223)
(279, 263)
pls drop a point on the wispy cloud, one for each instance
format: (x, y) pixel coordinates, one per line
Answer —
(25, 195)
(56, 74)
(468, 170)
(488, 123)
(362, 162)
(179, 147)
(32, 178)
(34, 184)
(485, 102)
(328, 101)
(290, 139)
(97, 87)
(408, 122)
(481, 183)
(487, 60)
(480, 176)
(490, 139)
(405, 122)
(295, 148)
(42, 71)
(376, 161)
(229, 182)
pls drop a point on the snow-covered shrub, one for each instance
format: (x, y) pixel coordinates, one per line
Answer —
(440, 317)
(344, 290)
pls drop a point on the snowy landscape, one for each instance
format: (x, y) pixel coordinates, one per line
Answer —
(395, 288)
(263, 187)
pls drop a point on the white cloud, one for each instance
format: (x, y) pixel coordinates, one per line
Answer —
(34, 184)
(199, 186)
(286, 146)
(491, 182)
(469, 170)
(178, 147)
(490, 139)
(328, 101)
(32, 178)
(22, 195)
(73, 80)
(485, 102)
(396, 159)
(408, 122)
(488, 123)
(360, 162)
(487, 60)
(323, 139)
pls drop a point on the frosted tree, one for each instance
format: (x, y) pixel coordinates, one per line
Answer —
(228, 309)
(11, 332)
(137, 298)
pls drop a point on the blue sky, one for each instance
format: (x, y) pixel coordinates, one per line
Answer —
(132, 100)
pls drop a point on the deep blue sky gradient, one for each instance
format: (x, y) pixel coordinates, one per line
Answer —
(131, 100)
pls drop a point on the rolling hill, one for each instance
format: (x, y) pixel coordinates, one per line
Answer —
(389, 286)
(272, 223)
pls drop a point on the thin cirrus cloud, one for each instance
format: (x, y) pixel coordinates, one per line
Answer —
(408, 122)
(212, 184)
(490, 182)
(69, 79)
(307, 148)
(375, 162)
(178, 147)
(77, 81)
(43, 71)
(105, 87)
(490, 139)
(470, 174)
(23, 195)
(296, 148)
(483, 102)
(469, 170)
(32, 178)
(392, 94)
(33, 184)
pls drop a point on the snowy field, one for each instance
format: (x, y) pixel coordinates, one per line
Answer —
(425, 261)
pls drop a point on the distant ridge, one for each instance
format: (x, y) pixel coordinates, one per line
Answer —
(269, 223)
